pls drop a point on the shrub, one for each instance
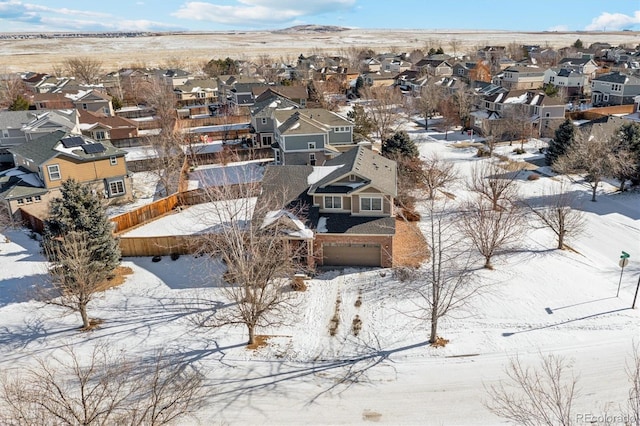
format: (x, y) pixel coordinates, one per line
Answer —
(519, 151)
(533, 176)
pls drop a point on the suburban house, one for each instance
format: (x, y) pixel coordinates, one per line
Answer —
(11, 132)
(45, 122)
(347, 203)
(435, 67)
(262, 123)
(100, 127)
(93, 101)
(378, 80)
(584, 65)
(571, 82)
(237, 91)
(520, 77)
(197, 92)
(43, 164)
(296, 94)
(310, 136)
(614, 88)
(542, 112)
(51, 101)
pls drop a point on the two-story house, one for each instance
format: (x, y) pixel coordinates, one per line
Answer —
(496, 110)
(584, 65)
(262, 123)
(310, 136)
(43, 164)
(93, 101)
(100, 127)
(11, 132)
(348, 203)
(571, 82)
(435, 67)
(520, 77)
(614, 88)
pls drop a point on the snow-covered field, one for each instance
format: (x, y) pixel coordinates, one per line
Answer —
(538, 300)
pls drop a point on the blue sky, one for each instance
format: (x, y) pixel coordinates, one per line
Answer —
(225, 15)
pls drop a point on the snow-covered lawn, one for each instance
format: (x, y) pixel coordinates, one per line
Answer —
(538, 299)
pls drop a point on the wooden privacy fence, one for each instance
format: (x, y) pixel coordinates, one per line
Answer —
(158, 246)
(144, 213)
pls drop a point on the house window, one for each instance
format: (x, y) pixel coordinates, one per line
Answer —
(113, 160)
(84, 106)
(332, 202)
(54, 172)
(371, 204)
(116, 188)
(312, 159)
(5, 133)
(267, 141)
(37, 198)
(277, 156)
(106, 111)
(20, 201)
(29, 200)
(99, 135)
(264, 121)
(352, 178)
(311, 145)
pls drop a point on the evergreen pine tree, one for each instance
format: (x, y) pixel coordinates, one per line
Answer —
(19, 104)
(400, 144)
(78, 210)
(564, 136)
(630, 139)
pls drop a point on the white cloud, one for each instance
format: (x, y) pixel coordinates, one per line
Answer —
(613, 21)
(260, 12)
(24, 16)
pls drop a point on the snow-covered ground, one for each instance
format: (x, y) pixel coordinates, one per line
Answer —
(538, 300)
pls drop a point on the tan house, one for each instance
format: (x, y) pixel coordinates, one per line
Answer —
(348, 204)
(520, 77)
(43, 164)
(101, 127)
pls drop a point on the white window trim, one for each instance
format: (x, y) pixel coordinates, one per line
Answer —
(371, 198)
(113, 160)
(51, 173)
(117, 193)
(311, 145)
(333, 197)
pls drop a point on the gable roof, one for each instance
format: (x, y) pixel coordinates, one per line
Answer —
(90, 119)
(307, 121)
(363, 162)
(51, 145)
(15, 119)
(617, 77)
(289, 92)
(266, 104)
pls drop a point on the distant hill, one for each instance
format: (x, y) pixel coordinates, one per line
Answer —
(312, 29)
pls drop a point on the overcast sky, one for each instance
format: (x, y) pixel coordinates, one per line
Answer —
(226, 15)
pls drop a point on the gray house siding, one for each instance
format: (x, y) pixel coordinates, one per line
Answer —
(301, 142)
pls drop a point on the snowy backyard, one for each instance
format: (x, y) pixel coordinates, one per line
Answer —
(536, 300)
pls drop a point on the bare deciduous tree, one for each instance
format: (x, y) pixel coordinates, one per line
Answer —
(437, 174)
(446, 281)
(11, 86)
(167, 145)
(598, 154)
(105, 388)
(427, 103)
(491, 230)
(493, 182)
(558, 213)
(251, 239)
(75, 279)
(633, 373)
(383, 109)
(535, 396)
(86, 69)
